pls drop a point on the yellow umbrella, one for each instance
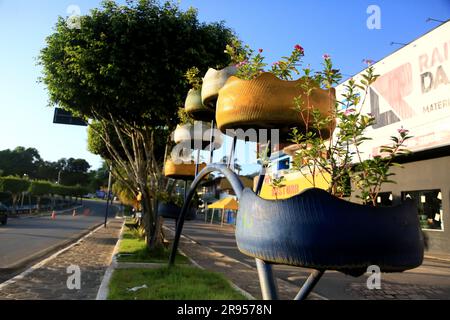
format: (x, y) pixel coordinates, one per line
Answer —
(224, 204)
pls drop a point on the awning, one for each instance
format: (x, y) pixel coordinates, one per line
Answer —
(225, 204)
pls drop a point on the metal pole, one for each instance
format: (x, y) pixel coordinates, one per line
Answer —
(211, 149)
(262, 173)
(197, 162)
(266, 280)
(107, 197)
(309, 285)
(265, 272)
(233, 147)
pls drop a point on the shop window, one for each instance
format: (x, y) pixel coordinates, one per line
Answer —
(384, 199)
(429, 204)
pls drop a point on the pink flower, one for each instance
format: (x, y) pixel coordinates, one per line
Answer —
(349, 111)
(299, 48)
(326, 56)
(276, 63)
(241, 64)
(403, 131)
(368, 62)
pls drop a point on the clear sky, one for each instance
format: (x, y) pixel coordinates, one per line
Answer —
(336, 27)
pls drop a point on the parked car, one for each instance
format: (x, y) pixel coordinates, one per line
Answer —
(3, 214)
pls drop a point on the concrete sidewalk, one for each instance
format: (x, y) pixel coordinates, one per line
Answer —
(214, 247)
(48, 279)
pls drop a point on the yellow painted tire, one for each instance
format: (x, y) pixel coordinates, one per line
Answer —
(267, 102)
(195, 108)
(181, 171)
(213, 81)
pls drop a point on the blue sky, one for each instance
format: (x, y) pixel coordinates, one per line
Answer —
(320, 26)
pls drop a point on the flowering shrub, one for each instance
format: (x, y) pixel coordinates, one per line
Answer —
(250, 64)
(340, 157)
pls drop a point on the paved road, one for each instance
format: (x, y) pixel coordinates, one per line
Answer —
(22, 241)
(430, 281)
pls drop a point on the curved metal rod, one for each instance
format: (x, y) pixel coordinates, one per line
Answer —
(235, 182)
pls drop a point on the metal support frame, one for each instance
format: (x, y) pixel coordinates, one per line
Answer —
(265, 272)
(309, 284)
(267, 280)
(262, 173)
(236, 184)
(211, 148)
(197, 162)
(233, 148)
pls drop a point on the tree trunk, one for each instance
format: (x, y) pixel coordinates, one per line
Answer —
(151, 227)
(157, 238)
(14, 200)
(38, 204)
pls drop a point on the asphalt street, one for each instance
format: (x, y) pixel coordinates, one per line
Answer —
(23, 241)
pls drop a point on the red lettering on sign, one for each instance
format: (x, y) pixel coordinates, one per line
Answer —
(394, 86)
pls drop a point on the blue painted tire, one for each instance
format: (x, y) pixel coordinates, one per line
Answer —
(172, 211)
(317, 230)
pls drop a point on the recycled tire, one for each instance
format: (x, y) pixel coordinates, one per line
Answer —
(197, 136)
(195, 108)
(317, 230)
(183, 171)
(267, 102)
(172, 211)
(213, 81)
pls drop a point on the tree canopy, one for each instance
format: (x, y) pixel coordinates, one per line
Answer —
(129, 61)
(123, 70)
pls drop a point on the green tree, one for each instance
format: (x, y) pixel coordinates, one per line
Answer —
(14, 186)
(124, 69)
(39, 189)
(19, 162)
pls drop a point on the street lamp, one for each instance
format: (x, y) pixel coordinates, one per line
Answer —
(107, 197)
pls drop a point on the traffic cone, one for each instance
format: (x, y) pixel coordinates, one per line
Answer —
(74, 213)
(53, 215)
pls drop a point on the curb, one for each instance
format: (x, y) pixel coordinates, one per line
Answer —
(47, 214)
(103, 290)
(53, 256)
(431, 257)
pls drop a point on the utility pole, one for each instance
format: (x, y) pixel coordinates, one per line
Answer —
(107, 197)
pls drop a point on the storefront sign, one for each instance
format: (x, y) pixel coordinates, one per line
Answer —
(413, 92)
(294, 183)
